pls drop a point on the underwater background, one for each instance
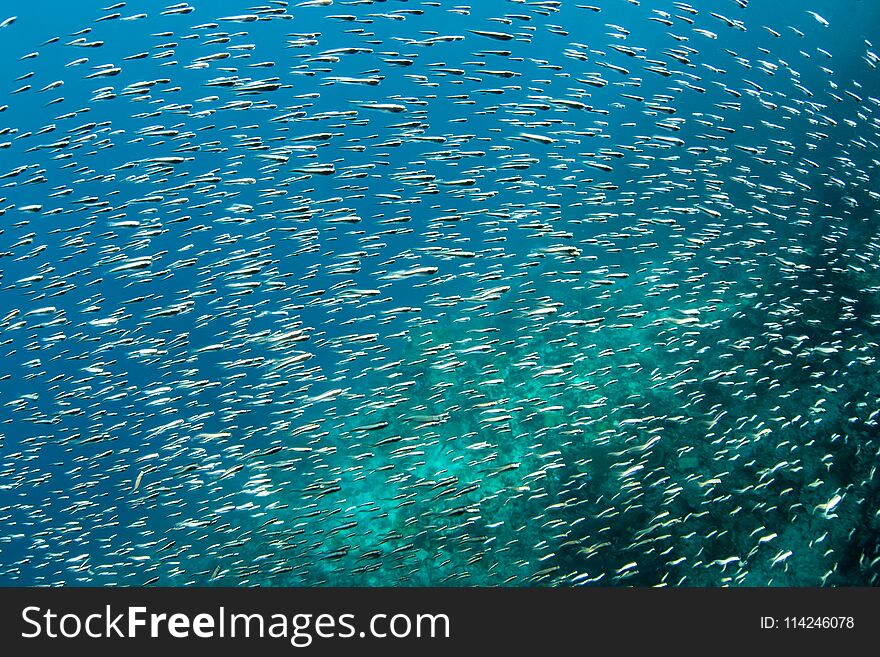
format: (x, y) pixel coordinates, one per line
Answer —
(420, 293)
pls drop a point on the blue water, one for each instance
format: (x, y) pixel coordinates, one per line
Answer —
(86, 410)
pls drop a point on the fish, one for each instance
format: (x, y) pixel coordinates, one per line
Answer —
(422, 294)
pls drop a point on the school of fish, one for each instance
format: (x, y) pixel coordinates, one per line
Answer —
(367, 292)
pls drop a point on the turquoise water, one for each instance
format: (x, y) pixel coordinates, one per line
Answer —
(414, 293)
